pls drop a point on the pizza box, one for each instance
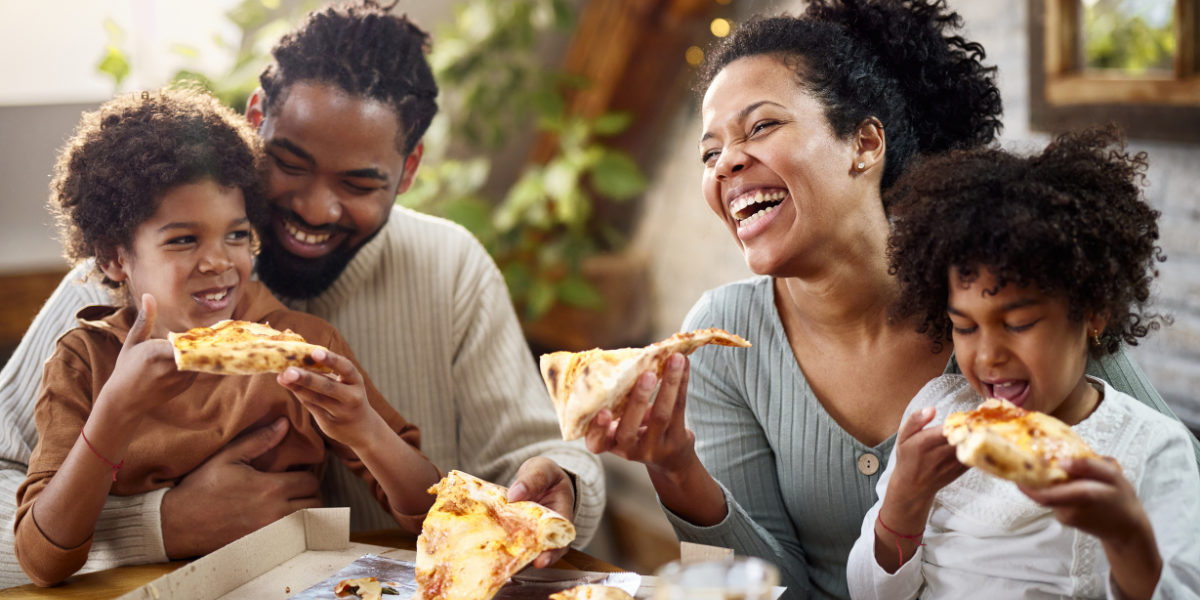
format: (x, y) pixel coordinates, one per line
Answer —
(288, 557)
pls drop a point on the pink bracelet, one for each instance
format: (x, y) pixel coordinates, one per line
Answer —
(122, 463)
(911, 538)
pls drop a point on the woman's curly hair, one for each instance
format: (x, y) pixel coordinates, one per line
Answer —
(364, 50)
(1071, 221)
(125, 156)
(892, 60)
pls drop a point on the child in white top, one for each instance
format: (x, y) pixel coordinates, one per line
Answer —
(1027, 264)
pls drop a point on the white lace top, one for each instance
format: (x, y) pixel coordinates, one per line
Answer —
(986, 539)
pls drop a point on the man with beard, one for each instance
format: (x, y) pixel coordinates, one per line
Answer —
(341, 111)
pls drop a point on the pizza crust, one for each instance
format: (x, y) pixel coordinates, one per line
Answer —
(243, 348)
(474, 539)
(1021, 446)
(582, 384)
(592, 592)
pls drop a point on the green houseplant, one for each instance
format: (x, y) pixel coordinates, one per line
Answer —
(541, 231)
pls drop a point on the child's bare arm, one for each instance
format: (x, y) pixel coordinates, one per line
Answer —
(345, 414)
(1100, 501)
(144, 377)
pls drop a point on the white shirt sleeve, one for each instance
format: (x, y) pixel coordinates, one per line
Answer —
(1170, 493)
(129, 531)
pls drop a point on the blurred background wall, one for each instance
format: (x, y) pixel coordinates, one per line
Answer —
(50, 76)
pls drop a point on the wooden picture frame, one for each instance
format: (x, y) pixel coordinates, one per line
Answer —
(1063, 98)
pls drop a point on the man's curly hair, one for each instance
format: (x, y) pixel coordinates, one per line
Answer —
(1071, 221)
(365, 51)
(125, 156)
(891, 60)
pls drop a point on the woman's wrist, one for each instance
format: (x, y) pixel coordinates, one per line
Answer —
(690, 492)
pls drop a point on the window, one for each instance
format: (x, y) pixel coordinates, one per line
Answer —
(1134, 62)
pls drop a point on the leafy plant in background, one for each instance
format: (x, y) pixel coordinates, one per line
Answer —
(261, 23)
(492, 85)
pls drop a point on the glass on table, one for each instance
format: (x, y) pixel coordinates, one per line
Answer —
(741, 578)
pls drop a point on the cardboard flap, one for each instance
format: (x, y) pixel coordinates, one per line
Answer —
(327, 528)
(223, 571)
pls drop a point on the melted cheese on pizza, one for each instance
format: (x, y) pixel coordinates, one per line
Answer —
(243, 348)
(1013, 443)
(473, 539)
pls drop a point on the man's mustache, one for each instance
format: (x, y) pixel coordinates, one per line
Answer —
(294, 218)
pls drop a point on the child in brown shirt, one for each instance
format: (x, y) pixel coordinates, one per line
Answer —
(163, 192)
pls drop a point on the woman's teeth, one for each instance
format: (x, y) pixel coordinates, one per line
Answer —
(307, 238)
(217, 296)
(746, 217)
(758, 215)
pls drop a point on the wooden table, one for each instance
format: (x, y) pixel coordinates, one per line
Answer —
(113, 583)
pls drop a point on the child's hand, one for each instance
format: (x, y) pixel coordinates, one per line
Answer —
(145, 375)
(340, 408)
(925, 463)
(1100, 501)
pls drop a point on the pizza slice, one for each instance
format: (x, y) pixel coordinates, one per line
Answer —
(474, 539)
(1019, 445)
(584, 383)
(243, 348)
(592, 592)
(367, 588)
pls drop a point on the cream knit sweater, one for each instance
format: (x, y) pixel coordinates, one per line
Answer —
(428, 316)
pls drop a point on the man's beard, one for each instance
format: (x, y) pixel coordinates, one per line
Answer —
(296, 278)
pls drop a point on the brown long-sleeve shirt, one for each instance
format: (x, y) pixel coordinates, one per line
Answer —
(176, 437)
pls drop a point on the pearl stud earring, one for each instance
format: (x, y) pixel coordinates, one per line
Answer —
(861, 166)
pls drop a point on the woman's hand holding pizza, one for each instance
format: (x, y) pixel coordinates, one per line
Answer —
(657, 437)
(341, 407)
(1099, 500)
(653, 435)
(925, 463)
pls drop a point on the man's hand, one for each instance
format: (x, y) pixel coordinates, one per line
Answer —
(541, 480)
(225, 498)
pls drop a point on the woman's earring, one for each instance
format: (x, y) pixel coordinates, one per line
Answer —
(1096, 337)
(862, 166)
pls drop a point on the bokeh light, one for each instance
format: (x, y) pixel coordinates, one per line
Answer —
(720, 27)
(694, 55)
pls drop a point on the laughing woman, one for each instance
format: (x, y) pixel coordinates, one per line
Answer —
(807, 122)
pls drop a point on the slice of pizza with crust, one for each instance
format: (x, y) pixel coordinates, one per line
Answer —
(592, 592)
(243, 348)
(1022, 446)
(584, 383)
(474, 539)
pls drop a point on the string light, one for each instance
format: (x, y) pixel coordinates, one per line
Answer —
(720, 27)
(694, 55)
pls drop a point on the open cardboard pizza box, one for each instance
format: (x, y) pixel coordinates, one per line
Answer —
(286, 558)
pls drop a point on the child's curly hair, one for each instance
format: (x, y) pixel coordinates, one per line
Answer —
(1071, 220)
(125, 156)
